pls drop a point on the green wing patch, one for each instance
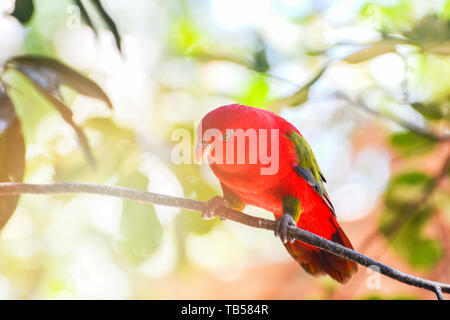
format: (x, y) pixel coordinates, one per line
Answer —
(308, 168)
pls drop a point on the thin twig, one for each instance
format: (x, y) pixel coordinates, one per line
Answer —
(439, 294)
(13, 188)
(356, 103)
(392, 118)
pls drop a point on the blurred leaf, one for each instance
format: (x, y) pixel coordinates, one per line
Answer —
(256, 93)
(442, 49)
(429, 32)
(412, 178)
(194, 187)
(44, 78)
(113, 132)
(389, 18)
(411, 144)
(260, 63)
(406, 188)
(23, 10)
(409, 242)
(141, 231)
(85, 16)
(12, 154)
(185, 37)
(23, 94)
(431, 111)
(402, 200)
(301, 95)
(373, 50)
(36, 42)
(445, 15)
(442, 200)
(433, 75)
(67, 116)
(50, 73)
(109, 22)
(47, 75)
(110, 138)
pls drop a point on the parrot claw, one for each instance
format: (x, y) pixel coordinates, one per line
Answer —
(211, 207)
(282, 225)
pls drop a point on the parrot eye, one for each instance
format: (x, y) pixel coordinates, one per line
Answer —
(228, 134)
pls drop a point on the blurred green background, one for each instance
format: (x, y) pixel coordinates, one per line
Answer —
(366, 82)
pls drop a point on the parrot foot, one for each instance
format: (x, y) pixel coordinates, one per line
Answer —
(211, 207)
(281, 228)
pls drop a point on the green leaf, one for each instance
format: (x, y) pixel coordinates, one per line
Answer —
(445, 15)
(442, 49)
(85, 16)
(109, 22)
(110, 138)
(301, 95)
(390, 17)
(417, 249)
(406, 188)
(401, 199)
(431, 111)
(49, 74)
(194, 187)
(411, 144)
(405, 218)
(373, 50)
(12, 155)
(429, 32)
(141, 231)
(67, 116)
(255, 94)
(260, 64)
(23, 10)
(411, 178)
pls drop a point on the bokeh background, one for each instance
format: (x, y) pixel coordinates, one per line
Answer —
(366, 82)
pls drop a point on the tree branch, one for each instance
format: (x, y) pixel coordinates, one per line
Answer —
(13, 188)
(392, 118)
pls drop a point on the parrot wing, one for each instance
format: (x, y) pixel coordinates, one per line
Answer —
(312, 260)
(308, 168)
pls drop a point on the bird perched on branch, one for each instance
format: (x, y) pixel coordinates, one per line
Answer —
(264, 161)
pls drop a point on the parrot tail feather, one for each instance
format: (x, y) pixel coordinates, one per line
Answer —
(319, 262)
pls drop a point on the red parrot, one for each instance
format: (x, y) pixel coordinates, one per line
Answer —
(290, 185)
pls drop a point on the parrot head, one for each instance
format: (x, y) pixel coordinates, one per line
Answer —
(221, 124)
(232, 135)
(217, 124)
